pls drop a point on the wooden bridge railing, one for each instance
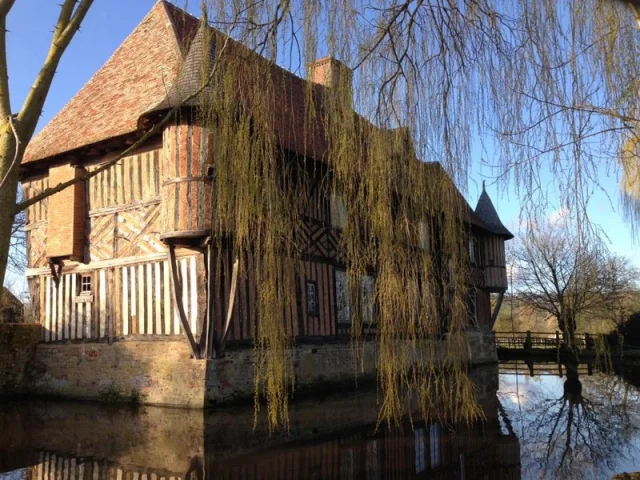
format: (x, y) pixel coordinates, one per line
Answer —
(538, 340)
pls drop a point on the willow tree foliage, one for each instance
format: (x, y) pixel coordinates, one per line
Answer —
(549, 86)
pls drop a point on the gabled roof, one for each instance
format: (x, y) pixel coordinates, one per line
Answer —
(488, 214)
(132, 81)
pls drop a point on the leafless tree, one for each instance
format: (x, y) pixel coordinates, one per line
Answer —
(567, 275)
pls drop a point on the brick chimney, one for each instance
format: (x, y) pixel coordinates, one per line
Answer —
(333, 74)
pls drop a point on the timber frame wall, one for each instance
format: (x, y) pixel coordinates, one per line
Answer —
(126, 270)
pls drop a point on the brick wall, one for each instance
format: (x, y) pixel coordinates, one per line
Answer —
(17, 347)
(65, 234)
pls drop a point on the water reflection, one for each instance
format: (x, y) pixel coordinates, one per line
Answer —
(572, 421)
(331, 438)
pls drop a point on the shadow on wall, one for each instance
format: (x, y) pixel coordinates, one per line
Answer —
(156, 371)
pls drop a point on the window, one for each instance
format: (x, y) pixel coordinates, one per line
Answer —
(343, 302)
(85, 285)
(210, 171)
(338, 211)
(312, 298)
(343, 298)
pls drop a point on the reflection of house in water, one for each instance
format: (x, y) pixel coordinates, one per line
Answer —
(334, 438)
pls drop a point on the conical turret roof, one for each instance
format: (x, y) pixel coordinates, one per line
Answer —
(488, 214)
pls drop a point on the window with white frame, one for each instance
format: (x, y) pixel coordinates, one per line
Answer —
(343, 301)
(343, 298)
(84, 284)
(312, 299)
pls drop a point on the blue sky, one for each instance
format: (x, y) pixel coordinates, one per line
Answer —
(107, 24)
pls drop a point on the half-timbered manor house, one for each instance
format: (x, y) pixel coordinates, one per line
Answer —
(110, 276)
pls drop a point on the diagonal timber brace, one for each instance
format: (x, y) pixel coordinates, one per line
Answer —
(177, 301)
(496, 310)
(232, 297)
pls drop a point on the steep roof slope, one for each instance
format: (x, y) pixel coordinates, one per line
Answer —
(487, 212)
(131, 82)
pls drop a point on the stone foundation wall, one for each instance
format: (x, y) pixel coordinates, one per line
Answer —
(160, 371)
(17, 345)
(154, 372)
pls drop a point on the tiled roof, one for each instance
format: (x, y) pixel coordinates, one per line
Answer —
(284, 92)
(487, 213)
(146, 74)
(131, 82)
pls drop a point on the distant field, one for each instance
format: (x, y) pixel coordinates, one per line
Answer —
(517, 317)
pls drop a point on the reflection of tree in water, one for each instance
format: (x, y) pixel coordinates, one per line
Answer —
(582, 433)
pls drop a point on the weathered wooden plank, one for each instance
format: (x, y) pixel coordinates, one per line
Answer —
(166, 290)
(116, 311)
(158, 299)
(59, 309)
(303, 300)
(67, 306)
(135, 169)
(184, 279)
(324, 298)
(41, 310)
(47, 310)
(103, 304)
(74, 317)
(144, 175)
(332, 299)
(141, 303)
(149, 294)
(87, 319)
(294, 307)
(125, 301)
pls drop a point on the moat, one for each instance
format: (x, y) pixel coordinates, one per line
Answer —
(559, 423)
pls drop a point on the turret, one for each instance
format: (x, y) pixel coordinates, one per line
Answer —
(491, 245)
(186, 172)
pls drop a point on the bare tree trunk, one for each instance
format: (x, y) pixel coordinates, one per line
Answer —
(9, 170)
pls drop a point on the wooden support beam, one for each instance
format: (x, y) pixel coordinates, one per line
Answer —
(208, 339)
(232, 298)
(496, 310)
(177, 301)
